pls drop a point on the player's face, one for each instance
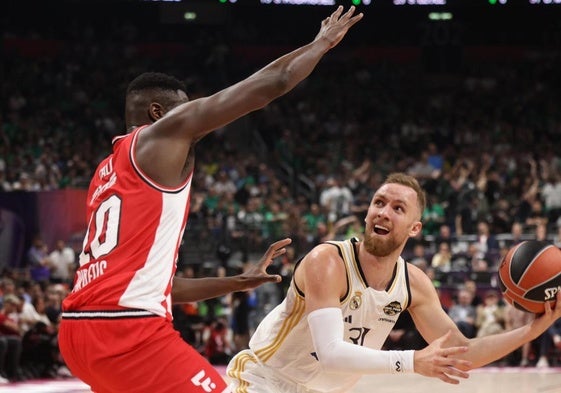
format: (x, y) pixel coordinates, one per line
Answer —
(393, 217)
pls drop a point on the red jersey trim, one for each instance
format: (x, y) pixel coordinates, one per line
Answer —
(144, 176)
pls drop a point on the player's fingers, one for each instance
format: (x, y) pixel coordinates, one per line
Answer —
(279, 252)
(355, 19)
(336, 14)
(556, 300)
(272, 278)
(454, 363)
(547, 307)
(453, 351)
(456, 372)
(349, 13)
(278, 246)
(447, 379)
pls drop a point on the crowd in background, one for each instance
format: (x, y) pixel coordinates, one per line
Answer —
(483, 141)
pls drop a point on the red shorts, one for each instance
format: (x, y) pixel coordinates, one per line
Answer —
(141, 355)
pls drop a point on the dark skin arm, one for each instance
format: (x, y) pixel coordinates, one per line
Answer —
(186, 290)
(163, 147)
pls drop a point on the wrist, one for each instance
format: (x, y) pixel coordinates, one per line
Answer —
(323, 44)
(402, 362)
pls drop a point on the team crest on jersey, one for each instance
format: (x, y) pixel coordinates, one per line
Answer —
(393, 308)
(356, 301)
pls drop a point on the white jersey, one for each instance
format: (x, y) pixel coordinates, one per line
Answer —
(283, 342)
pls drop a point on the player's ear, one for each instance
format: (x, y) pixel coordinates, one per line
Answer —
(416, 228)
(155, 111)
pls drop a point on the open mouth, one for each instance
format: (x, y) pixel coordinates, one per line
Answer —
(380, 230)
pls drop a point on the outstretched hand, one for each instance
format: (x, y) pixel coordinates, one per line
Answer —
(334, 27)
(435, 361)
(257, 273)
(551, 314)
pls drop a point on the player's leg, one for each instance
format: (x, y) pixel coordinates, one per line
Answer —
(138, 355)
(163, 362)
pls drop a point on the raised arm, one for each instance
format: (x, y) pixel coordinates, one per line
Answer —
(186, 290)
(164, 146)
(195, 119)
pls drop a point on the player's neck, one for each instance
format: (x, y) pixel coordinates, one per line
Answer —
(378, 270)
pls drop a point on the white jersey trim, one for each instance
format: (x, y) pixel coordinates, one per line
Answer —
(106, 314)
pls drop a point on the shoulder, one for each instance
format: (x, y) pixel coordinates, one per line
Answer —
(323, 263)
(324, 254)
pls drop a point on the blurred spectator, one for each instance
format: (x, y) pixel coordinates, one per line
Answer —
(442, 260)
(62, 263)
(423, 169)
(10, 340)
(38, 260)
(217, 344)
(490, 315)
(274, 219)
(550, 193)
(487, 243)
(463, 313)
(471, 286)
(468, 215)
(445, 235)
(540, 232)
(433, 216)
(516, 234)
(310, 221)
(420, 256)
(336, 199)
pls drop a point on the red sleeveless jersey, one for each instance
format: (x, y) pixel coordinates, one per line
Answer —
(135, 226)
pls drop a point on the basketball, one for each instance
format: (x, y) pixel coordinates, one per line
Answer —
(530, 275)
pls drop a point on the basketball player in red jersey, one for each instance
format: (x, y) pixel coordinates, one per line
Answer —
(116, 332)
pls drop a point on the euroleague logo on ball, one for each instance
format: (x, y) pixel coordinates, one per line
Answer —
(551, 292)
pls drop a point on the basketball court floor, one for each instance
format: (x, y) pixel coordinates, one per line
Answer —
(484, 380)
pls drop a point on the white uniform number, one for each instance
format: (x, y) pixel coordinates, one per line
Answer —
(104, 224)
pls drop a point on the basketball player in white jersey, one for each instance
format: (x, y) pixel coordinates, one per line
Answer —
(116, 332)
(344, 300)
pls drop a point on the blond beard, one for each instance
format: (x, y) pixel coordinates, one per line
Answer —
(380, 248)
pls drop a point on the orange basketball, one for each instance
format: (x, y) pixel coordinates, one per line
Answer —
(530, 275)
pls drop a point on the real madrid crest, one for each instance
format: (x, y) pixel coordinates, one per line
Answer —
(356, 301)
(393, 308)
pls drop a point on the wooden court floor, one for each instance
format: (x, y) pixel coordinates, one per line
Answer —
(484, 380)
